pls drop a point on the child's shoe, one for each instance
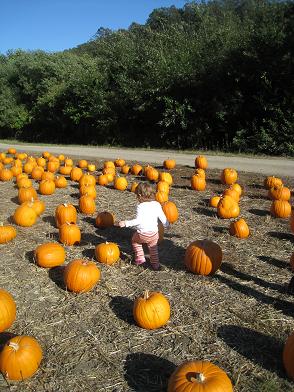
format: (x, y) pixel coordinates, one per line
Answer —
(156, 267)
(140, 261)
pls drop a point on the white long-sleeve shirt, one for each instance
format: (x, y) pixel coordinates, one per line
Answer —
(146, 220)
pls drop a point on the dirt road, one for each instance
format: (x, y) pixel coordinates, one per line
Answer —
(268, 166)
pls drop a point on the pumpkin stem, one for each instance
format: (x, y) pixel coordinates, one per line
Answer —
(199, 377)
(146, 294)
(13, 345)
(1, 224)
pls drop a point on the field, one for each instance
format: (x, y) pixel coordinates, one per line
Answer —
(239, 318)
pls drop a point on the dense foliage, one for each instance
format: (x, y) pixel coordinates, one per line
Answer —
(214, 75)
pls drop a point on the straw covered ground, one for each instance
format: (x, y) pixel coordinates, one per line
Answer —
(239, 318)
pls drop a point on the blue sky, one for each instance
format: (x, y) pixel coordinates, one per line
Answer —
(54, 25)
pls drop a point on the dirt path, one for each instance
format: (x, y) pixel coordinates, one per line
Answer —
(268, 166)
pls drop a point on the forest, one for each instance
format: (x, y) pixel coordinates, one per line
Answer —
(215, 75)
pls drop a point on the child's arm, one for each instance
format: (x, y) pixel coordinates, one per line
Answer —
(162, 218)
(132, 222)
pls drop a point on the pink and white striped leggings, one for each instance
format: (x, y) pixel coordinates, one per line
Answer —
(151, 240)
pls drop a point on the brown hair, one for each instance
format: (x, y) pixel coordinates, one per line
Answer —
(145, 192)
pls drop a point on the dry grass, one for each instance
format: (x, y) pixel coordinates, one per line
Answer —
(239, 318)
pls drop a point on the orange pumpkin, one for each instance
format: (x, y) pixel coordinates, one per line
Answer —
(104, 219)
(136, 169)
(107, 164)
(200, 172)
(233, 193)
(65, 213)
(161, 197)
(91, 167)
(49, 255)
(87, 204)
(20, 358)
(48, 176)
(119, 162)
(102, 180)
(201, 162)
(26, 194)
(6, 174)
(7, 310)
(37, 205)
(237, 187)
(60, 182)
(25, 215)
(37, 172)
(288, 356)
(69, 234)
(281, 209)
(229, 176)
(203, 257)
(65, 170)
(89, 190)
(107, 253)
(134, 187)
(81, 275)
(239, 228)
(76, 174)
(214, 200)
(271, 181)
(82, 163)
(198, 183)
(7, 233)
(125, 169)
(167, 177)
(23, 182)
(87, 179)
(171, 211)
(152, 310)
(279, 193)
(228, 208)
(120, 183)
(47, 187)
(199, 376)
(169, 164)
(162, 186)
(152, 174)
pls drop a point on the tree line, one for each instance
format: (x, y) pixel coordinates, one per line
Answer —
(210, 75)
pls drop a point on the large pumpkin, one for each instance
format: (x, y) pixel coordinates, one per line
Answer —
(171, 211)
(203, 257)
(49, 255)
(279, 193)
(288, 356)
(152, 310)
(7, 310)
(199, 376)
(7, 233)
(239, 228)
(65, 213)
(81, 275)
(107, 253)
(20, 358)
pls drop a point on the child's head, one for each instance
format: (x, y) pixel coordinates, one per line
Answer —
(145, 192)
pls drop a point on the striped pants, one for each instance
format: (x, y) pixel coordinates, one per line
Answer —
(151, 240)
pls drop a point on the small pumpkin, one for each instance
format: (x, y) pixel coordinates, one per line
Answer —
(102, 180)
(26, 194)
(281, 209)
(214, 200)
(162, 186)
(237, 187)
(134, 186)
(68, 161)
(200, 172)
(201, 162)
(82, 163)
(107, 253)
(167, 177)
(6, 174)
(104, 219)
(199, 376)
(37, 173)
(203, 257)
(49, 176)
(198, 183)
(229, 176)
(7, 310)
(119, 162)
(169, 164)
(279, 193)
(125, 169)
(161, 197)
(20, 358)
(120, 183)
(171, 212)
(7, 233)
(136, 169)
(107, 164)
(271, 181)
(228, 208)
(65, 170)
(91, 167)
(87, 179)
(47, 187)
(49, 255)
(152, 174)
(60, 182)
(37, 205)
(152, 310)
(81, 275)
(41, 162)
(239, 228)
(233, 193)
(87, 204)
(76, 174)
(69, 234)
(25, 215)
(288, 356)
(89, 190)
(65, 213)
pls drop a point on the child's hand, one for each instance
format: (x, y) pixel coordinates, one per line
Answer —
(120, 224)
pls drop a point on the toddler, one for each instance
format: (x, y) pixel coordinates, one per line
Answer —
(146, 223)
